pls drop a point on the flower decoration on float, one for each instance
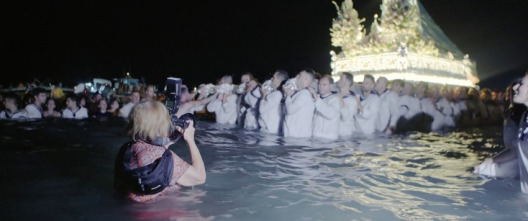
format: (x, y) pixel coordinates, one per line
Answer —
(404, 43)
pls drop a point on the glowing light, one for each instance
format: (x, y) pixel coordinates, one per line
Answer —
(411, 67)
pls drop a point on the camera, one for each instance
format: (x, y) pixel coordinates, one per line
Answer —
(173, 90)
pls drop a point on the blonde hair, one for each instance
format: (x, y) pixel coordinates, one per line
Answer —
(148, 120)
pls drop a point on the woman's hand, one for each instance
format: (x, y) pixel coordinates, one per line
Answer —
(188, 133)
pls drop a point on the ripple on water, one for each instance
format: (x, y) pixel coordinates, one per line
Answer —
(257, 176)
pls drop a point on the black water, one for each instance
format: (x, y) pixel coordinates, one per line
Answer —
(59, 169)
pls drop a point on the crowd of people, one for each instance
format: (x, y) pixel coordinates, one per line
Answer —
(38, 103)
(302, 106)
(312, 105)
(307, 105)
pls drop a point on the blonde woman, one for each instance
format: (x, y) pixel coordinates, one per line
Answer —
(145, 168)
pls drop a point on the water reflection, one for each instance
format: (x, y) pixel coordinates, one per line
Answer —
(64, 169)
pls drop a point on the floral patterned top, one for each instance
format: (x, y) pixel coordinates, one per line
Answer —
(144, 154)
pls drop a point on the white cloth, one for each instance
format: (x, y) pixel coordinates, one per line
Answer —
(80, 113)
(508, 169)
(270, 112)
(459, 106)
(225, 112)
(441, 112)
(409, 106)
(389, 110)
(33, 111)
(251, 99)
(446, 108)
(299, 114)
(126, 109)
(366, 119)
(7, 115)
(326, 117)
(347, 118)
(522, 151)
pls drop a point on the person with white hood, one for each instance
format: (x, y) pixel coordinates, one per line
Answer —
(327, 110)
(348, 103)
(270, 108)
(299, 106)
(389, 107)
(368, 108)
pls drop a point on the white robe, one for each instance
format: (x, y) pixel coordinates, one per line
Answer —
(80, 113)
(7, 115)
(366, 119)
(33, 111)
(326, 117)
(447, 111)
(251, 99)
(409, 107)
(270, 112)
(440, 111)
(347, 118)
(126, 109)
(225, 112)
(299, 114)
(389, 110)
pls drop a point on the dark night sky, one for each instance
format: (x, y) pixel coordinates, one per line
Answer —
(201, 40)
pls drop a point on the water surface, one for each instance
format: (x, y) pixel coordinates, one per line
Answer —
(59, 169)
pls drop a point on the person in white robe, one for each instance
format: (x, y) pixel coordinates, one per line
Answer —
(72, 110)
(11, 111)
(348, 103)
(389, 100)
(437, 107)
(270, 107)
(460, 108)
(251, 99)
(368, 108)
(127, 108)
(188, 105)
(299, 107)
(34, 109)
(447, 104)
(327, 110)
(224, 107)
(241, 91)
(409, 105)
(424, 119)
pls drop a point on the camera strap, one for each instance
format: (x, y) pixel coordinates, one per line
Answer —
(149, 179)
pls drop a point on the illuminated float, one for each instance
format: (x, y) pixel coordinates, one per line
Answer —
(404, 43)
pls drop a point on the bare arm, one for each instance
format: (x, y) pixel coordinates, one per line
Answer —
(505, 155)
(195, 175)
(187, 107)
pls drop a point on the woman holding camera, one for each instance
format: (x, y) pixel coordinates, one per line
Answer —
(145, 168)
